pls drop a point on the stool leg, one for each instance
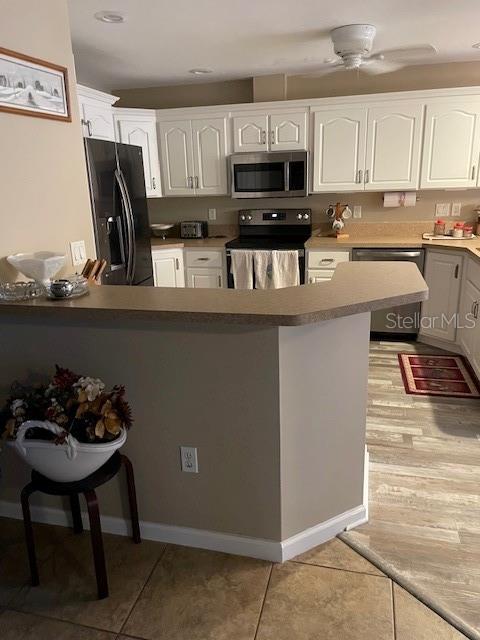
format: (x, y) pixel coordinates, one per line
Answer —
(27, 523)
(76, 513)
(97, 543)
(132, 499)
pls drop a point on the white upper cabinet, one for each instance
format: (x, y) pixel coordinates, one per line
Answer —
(276, 131)
(393, 147)
(96, 113)
(250, 133)
(209, 156)
(140, 130)
(339, 149)
(177, 157)
(194, 156)
(451, 145)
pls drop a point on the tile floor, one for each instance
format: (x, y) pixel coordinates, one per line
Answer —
(163, 592)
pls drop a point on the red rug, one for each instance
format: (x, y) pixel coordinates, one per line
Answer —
(448, 376)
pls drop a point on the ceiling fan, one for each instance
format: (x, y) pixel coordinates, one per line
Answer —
(353, 45)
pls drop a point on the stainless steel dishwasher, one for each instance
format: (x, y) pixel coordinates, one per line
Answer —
(396, 320)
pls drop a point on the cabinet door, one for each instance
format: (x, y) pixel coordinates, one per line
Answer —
(143, 134)
(250, 133)
(288, 131)
(320, 275)
(97, 121)
(168, 268)
(177, 158)
(204, 278)
(442, 274)
(468, 334)
(451, 147)
(339, 150)
(393, 147)
(210, 156)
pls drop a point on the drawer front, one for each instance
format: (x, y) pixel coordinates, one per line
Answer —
(319, 275)
(327, 259)
(204, 258)
(473, 271)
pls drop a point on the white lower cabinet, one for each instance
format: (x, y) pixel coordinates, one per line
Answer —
(321, 265)
(469, 327)
(168, 268)
(205, 268)
(443, 276)
(204, 278)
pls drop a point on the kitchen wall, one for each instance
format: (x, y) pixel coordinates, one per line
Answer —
(280, 87)
(45, 202)
(176, 209)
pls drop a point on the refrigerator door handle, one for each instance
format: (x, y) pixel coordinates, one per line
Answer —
(132, 228)
(128, 225)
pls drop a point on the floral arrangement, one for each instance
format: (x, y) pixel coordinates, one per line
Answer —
(79, 404)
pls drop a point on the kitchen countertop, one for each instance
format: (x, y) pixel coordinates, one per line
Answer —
(356, 287)
(201, 243)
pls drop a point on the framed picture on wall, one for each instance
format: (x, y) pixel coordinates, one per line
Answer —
(33, 87)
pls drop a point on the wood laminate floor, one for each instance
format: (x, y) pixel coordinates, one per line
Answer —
(424, 519)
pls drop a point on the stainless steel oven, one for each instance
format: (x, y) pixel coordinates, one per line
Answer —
(269, 175)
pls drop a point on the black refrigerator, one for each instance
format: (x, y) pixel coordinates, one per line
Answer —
(120, 215)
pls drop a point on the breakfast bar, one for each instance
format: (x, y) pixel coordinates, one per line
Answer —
(270, 388)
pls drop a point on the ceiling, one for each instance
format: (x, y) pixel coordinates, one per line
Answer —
(161, 40)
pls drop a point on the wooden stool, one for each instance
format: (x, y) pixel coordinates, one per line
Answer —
(86, 486)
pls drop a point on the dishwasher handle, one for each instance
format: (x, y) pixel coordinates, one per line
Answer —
(386, 254)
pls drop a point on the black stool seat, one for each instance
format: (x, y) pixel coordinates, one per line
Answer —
(86, 486)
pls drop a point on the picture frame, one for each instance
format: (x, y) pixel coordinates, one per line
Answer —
(33, 87)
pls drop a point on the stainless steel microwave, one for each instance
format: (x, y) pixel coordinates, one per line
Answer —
(280, 174)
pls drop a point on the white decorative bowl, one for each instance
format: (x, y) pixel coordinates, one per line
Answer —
(41, 265)
(68, 462)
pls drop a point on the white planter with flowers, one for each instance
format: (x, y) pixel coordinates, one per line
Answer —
(67, 429)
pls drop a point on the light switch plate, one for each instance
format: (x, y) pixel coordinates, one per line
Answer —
(79, 253)
(357, 211)
(456, 208)
(442, 209)
(212, 214)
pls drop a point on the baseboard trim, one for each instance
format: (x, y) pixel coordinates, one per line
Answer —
(440, 344)
(274, 551)
(366, 470)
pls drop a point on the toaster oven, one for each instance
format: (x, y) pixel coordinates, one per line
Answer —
(194, 229)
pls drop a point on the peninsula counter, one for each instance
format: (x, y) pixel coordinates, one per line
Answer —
(270, 386)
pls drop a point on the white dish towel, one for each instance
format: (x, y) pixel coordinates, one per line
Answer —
(262, 263)
(242, 268)
(285, 269)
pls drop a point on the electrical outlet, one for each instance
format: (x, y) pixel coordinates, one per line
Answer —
(79, 253)
(442, 209)
(188, 459)
(212, 214)
(357, 211)
(456, 208)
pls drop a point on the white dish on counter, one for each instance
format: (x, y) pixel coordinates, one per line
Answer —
(40, 265)
(431, 236)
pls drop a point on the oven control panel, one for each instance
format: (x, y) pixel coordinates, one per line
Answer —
(275, 216)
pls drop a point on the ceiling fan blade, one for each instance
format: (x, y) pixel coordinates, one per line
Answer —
(376, 67)
(324, 70)
(407, 53)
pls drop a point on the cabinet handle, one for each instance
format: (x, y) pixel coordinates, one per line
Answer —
(456, 271)
(153, 183)
(196, 182)
(264, 137)
(177, 264)
(219, 281)
(272, 137)
(327, 260)
(88, 124)
(359, 176)
(367, 176)
(189, 182)
(473, 172)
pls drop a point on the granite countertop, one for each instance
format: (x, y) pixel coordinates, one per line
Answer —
(356, 287)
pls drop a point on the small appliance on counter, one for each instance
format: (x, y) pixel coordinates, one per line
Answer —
(194, 229)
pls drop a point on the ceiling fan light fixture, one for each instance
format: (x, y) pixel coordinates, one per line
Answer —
(110, 17)
(476, 45)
